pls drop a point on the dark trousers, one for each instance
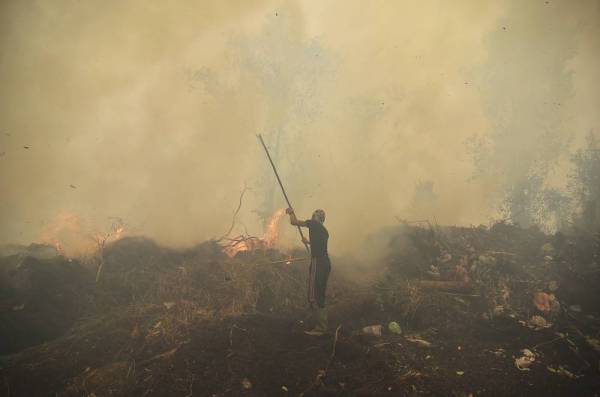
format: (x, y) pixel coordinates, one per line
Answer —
(317, 280)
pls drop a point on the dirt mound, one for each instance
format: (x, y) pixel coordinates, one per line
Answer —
(499, 270)
(40, 299)
(39, 251)
(137, 271)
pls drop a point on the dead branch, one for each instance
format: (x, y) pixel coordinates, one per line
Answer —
(191, 393)
(283, 261)
(101, 239)
(164, 355)
(335, 339)
(322, 373)
(234, 242)
(547, 342)
(231, 338)
(235, 213)
(131, 368)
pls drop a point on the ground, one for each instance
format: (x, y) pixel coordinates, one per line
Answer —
(196, 323)
(275, 357)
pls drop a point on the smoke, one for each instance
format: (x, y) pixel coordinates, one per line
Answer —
(528, 81)
(148, 112)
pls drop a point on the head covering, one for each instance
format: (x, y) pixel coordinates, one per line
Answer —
(319, 216)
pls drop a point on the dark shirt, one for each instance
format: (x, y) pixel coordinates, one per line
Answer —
(318, 236)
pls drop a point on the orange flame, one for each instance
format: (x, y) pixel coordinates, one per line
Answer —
(68, 234)
(272, 230)
(268, 240)
(65, 227)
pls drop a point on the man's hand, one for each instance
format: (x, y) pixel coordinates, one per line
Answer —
(293, 220)
(305, 240)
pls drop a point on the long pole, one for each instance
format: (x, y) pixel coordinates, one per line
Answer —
(281, 185)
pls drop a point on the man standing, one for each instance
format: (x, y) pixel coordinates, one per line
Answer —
(320, 266)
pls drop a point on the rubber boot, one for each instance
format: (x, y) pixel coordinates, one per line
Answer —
(321, 325)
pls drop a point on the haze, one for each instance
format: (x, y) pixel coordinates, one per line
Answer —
(148, 111)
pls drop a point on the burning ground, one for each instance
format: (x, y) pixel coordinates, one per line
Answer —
(463, 311)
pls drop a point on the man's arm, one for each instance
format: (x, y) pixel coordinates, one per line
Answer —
(293, 220)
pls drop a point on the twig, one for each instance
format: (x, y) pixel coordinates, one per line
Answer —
(576, 351)
(101, 239)
(191, 384)
(235, 213)
(231, 335)
(574, 328)
(101, 256)
(167, 354)
(321, 374)
(547, 343)
(131, 366)
(283, 261)
(335, 339)
(240, 240)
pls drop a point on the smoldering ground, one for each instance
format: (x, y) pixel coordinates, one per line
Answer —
(148, 112)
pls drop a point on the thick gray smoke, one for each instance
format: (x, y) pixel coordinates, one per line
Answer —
(148, 111)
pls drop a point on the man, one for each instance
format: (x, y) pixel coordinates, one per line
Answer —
(320, 266)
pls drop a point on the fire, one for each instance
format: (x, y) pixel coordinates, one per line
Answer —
(272, 230)
(65, 229)
(268, 240)
(69, 235)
